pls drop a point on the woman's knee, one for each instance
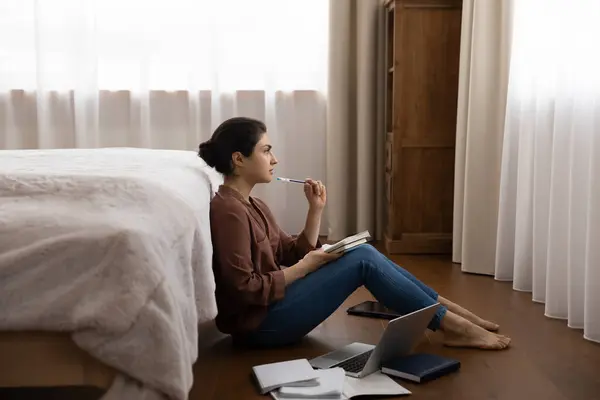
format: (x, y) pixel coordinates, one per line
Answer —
(365, 252)
(367, 257)
(361, 259)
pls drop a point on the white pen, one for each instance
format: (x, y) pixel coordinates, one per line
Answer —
(290, 180)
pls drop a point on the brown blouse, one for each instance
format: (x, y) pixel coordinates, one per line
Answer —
(249, 250)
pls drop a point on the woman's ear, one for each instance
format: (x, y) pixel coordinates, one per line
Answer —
(237, 159)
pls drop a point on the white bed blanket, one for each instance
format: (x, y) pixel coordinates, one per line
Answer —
(114, 246)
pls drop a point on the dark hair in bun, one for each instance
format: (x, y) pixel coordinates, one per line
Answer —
(233, 135)
(205, 152)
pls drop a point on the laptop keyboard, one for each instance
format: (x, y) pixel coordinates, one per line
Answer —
(355, 364)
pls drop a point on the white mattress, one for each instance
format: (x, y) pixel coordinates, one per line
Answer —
(112, 245)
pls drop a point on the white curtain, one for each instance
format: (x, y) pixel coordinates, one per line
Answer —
(483, 77)
(164, 73)
(547, 234)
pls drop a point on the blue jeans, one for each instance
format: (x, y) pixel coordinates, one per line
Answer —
(310, 300)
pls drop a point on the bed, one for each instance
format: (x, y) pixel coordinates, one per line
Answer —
(105, 269)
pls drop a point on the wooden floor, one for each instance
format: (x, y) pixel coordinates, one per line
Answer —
(547, 359)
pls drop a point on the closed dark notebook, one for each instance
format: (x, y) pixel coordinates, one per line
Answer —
(420, 367)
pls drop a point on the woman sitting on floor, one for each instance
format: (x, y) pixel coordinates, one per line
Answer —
(272, 289)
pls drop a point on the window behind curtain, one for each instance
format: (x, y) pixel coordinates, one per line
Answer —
(556, 49)
(163, 44)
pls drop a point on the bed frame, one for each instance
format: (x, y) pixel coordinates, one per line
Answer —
(48, 359)
(52, 359)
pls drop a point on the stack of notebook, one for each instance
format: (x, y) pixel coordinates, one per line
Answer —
(287, 373)
(296, 379)
(348, 243)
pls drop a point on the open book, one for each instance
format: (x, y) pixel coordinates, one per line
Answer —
(333, 384)
(347, 243)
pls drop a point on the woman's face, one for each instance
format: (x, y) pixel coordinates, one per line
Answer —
(258, 168)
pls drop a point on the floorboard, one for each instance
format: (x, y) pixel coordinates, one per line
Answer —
(547, 359)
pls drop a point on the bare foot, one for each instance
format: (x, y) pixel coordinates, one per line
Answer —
(477, 337)
(460, 332)
(490, 326)
(468, 315)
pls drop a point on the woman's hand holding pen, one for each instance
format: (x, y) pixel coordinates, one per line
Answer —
(316, 194)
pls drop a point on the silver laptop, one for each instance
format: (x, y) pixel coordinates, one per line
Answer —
(398, 339)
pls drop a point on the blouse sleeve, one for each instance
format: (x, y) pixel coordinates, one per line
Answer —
(291, 249)
(294, 248)
(233, 256)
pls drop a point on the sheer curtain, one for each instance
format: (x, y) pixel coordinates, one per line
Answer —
(549, 215)
(542, 229)
(164, 73)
